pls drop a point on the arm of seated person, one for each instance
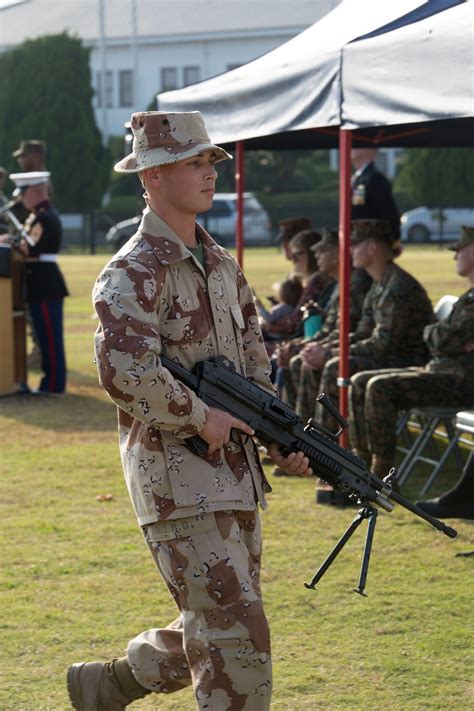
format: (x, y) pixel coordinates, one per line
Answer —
(314, 355)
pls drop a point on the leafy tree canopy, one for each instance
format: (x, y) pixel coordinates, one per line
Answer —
(438, 177)
(45, 93)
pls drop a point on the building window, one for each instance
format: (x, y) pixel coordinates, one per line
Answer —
(169, 78)
(126, 87)
(190, 75)
(109, 90)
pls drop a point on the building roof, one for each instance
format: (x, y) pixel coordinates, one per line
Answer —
(28, 19)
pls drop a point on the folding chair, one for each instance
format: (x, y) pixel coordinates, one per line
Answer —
(430, 420)
(465, 424)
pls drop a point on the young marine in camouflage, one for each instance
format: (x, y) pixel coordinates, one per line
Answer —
(395, 312)
(171, 289)
(301, 379)
(377, 397)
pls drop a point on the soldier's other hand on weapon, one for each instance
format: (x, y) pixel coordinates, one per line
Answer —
(295, 464)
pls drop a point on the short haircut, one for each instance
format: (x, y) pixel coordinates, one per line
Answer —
(290, 291)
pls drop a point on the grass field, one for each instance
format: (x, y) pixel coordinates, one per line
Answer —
(77, 581)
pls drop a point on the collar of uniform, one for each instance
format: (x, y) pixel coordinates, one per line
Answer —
(386, 275)
(169, 248)
(42, 206)
(359, 172)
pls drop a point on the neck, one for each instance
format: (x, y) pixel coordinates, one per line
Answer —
(183, 224)
(376, 270)
(361, 164)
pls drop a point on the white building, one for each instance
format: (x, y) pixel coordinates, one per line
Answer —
(142, 47)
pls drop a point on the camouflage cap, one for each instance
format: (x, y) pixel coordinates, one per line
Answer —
(31, 146)
(160, 138)
(330, 240)
(371, 229)
(466, 238)
(291, 226)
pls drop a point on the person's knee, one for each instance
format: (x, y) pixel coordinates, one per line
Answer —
(377, 387)
(296, 362)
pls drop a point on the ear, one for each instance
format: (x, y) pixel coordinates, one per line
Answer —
(152, 177)
(372, 246)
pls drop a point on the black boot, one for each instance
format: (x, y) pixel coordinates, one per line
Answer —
(458, 502)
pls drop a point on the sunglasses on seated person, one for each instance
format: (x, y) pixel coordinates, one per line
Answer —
(294, 256)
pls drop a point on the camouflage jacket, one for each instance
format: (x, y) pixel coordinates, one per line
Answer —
(451, 341)
(395, 312)
(154, 297)
(360, 283)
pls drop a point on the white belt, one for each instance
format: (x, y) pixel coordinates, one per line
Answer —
(48, 257)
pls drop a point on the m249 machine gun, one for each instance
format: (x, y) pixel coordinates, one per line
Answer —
(218, 384)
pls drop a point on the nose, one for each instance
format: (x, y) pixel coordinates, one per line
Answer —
(211, 173)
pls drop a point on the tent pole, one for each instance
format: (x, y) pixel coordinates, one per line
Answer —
(345, 204)
(239, 189)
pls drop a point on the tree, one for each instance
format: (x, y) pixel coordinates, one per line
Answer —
(438, 177)
(45, 93)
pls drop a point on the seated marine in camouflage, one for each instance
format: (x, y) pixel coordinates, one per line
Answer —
(447, 379)
(396, 310)
(301, 376)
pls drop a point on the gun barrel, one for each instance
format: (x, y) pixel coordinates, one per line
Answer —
(440, 525)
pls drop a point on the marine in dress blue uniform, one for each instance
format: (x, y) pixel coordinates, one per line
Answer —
(44, 282)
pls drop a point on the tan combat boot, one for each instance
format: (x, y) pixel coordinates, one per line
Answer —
(103, 686)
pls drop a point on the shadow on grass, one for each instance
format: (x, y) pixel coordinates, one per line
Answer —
(71, 412)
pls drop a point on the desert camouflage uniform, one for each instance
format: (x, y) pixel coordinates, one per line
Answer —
(447, 380)
(301, 381)
(199, 515)
(389, 334)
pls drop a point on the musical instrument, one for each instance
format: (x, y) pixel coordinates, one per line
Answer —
(20, 231)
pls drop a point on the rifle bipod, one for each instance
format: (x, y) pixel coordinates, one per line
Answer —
(366, 512)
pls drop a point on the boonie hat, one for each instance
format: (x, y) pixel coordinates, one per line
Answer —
(466, 238)
(31, 146)
(160, 138)
(330, 240)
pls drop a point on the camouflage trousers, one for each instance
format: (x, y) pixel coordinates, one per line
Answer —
(301, 387)
(328, 385)
(220, 642)
(376, 398)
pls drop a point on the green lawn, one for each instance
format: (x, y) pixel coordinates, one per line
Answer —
(77, 581)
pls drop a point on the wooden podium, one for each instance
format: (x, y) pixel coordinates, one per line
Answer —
(13, 367)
